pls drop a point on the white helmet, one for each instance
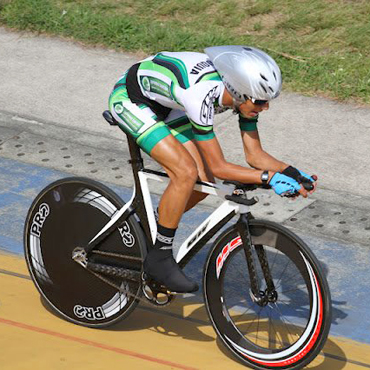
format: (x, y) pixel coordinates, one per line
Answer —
(246, 72)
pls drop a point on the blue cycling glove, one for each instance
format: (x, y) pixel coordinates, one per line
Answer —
(284, 185)
(306, 177)
(297, 175)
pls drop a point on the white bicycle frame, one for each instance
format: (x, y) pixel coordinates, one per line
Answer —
(220, 213)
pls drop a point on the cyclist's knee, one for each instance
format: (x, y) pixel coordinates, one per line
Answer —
(185, 173)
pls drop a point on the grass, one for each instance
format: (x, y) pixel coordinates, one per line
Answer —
(322, 46)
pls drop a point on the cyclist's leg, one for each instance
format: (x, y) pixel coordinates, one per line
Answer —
(181, 129)
(155, 138)
(182, 170)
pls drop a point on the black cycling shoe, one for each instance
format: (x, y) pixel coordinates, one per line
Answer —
(162, 268)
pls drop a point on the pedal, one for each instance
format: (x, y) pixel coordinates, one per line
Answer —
(155, 293)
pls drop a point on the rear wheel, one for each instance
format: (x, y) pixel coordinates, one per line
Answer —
(66, 215)
(288, 331)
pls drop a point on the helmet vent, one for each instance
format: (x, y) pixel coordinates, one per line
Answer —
(271, 89)
(273, 72)
(263, 77)
(248, 49)
(263, 87)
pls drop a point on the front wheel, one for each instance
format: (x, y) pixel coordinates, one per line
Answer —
(66, 215)
(292, 328)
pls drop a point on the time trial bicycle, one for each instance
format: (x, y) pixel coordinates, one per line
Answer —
(264, 290)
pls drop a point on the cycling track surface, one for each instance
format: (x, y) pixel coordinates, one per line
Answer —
(178, 336)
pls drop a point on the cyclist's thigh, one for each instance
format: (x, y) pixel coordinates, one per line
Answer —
(137, 120)
(174, 158)
(181, 129)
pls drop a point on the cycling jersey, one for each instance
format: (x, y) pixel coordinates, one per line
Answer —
(176, 93)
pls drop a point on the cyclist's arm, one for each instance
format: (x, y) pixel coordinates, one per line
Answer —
(256, 157)
(220, 168)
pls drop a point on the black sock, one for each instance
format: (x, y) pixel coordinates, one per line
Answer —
(164, 239)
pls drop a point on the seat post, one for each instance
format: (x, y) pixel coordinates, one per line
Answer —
(136, 160)
(137, 165)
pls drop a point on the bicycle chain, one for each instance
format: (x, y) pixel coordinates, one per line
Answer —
(136, 296)
(117, 255)
(113, 271)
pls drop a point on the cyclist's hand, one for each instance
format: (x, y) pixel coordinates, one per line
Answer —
(308, 182)
(286, 186)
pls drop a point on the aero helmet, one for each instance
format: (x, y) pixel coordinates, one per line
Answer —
(247, 72)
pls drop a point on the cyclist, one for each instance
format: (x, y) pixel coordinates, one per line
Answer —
(167, 103)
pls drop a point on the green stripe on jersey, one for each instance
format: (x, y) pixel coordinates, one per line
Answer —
(150, 66)
(212, 76)
(202, 128)
(177, 63)
(205, 137)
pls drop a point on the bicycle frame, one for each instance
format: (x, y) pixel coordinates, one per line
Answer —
(141, 203)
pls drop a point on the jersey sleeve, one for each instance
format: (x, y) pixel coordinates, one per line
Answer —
(248, 124)
(202, 133)
(198, 102)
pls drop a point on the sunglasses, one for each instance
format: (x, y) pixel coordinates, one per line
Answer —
(257, 101)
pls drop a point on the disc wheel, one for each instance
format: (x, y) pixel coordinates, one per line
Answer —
(66, 215)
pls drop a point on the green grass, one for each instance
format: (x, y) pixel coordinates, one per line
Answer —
(322, 46)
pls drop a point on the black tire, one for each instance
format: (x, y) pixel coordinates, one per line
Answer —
(286, 334)
(66, 214)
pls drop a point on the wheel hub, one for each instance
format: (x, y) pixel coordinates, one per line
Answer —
(264, 297)
(79, 255)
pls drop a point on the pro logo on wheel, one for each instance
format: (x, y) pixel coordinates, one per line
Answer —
(89, 313)
(39, 219)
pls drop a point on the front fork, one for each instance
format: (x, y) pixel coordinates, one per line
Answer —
(262, 298)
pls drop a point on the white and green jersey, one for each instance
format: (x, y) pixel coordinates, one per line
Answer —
(189, 82)
(170, 93)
